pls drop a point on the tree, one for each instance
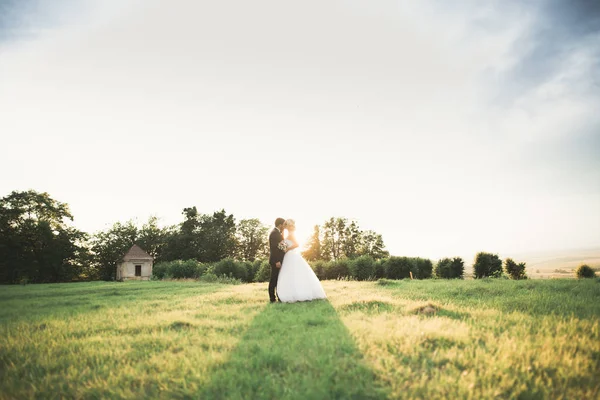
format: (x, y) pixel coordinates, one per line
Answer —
(422, 268)
(371, 244)
(36, 242)
(334, 238)
(487, 265)
(338, 238)
(397, 267)
(109, 247)
(352, 240)
(201, 237)
(313, 247)
(152, 238)
(585, 271)
(450, 268)
(252, 239)
(187, 242)
(217, 237)
(514, 270)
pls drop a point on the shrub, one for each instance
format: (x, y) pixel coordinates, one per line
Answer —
(159, 270)
(584, 271)
(362, 268)
(421, 268)
(514, 270)
(338, 269)
(487, 265)
(186, 269)
(397, 267)
(248, 267)
(380, 268)
(320, 268)
(264, 272)
(448, 268)
(178, 269)
(228, 267)
(253, 270)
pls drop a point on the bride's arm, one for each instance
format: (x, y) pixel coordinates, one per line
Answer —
(294, 244)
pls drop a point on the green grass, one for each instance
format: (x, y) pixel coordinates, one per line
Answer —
(407, 339)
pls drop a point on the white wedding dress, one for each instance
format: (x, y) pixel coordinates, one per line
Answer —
(297, 281)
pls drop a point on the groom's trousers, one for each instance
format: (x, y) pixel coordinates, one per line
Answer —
(273, 282)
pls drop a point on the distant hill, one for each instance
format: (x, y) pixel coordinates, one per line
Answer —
(555, 263)
(560, 263)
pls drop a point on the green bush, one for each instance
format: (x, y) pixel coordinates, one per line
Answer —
(230, 268)
(421, 268)
(448, 268)
(248, 267)
(253, 269)
(264, 272)
(338, 269)
(584, 271)
(397, 267)
(487, 265)
(160, 270)
(186, 269)
(514, 270)
(178, 269)
(380, 268)
(320, 268)
(362, 268)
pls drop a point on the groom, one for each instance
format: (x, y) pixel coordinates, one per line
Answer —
(276, 256)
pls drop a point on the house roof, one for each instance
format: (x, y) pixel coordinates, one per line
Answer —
(136, 252)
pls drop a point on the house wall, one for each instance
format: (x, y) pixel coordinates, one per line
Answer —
(127, 270)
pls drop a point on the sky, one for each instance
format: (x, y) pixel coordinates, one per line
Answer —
(448, 127)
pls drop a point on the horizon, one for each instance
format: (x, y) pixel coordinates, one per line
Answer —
(449, 129)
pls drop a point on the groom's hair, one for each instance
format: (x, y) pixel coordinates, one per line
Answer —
(279, 221)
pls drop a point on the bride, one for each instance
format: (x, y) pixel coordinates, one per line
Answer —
(297, 281)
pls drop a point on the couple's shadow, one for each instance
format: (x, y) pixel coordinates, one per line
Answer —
(294, 351)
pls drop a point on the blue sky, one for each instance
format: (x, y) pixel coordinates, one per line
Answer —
(448, 127)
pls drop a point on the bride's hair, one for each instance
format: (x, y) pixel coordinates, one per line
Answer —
(290, 224)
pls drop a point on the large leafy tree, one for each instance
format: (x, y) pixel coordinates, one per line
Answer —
(252, 239)
(37, 244)
(352, 240)
(202, 237)
(313, 247)
(182, 242)
(487, 265)
(371, 244)
(334, 238)
(217, 236)
(339, 238)
(109, 247)
(188, 240)
(152, 238)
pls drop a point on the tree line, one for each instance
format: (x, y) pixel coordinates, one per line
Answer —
(39, 244)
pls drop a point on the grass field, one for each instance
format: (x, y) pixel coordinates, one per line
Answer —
(535, 339)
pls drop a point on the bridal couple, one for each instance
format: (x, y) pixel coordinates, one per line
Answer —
(291, 275)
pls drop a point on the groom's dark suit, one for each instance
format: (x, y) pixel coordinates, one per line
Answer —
(276, 256)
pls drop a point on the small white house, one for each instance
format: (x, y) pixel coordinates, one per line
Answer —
(136, 265)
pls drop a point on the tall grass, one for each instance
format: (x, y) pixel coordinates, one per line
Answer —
(431, 339)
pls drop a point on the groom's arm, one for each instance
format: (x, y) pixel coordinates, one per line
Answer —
(274, 240)
(279, 251)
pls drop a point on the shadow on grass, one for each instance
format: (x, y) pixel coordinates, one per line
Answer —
(295, 351)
